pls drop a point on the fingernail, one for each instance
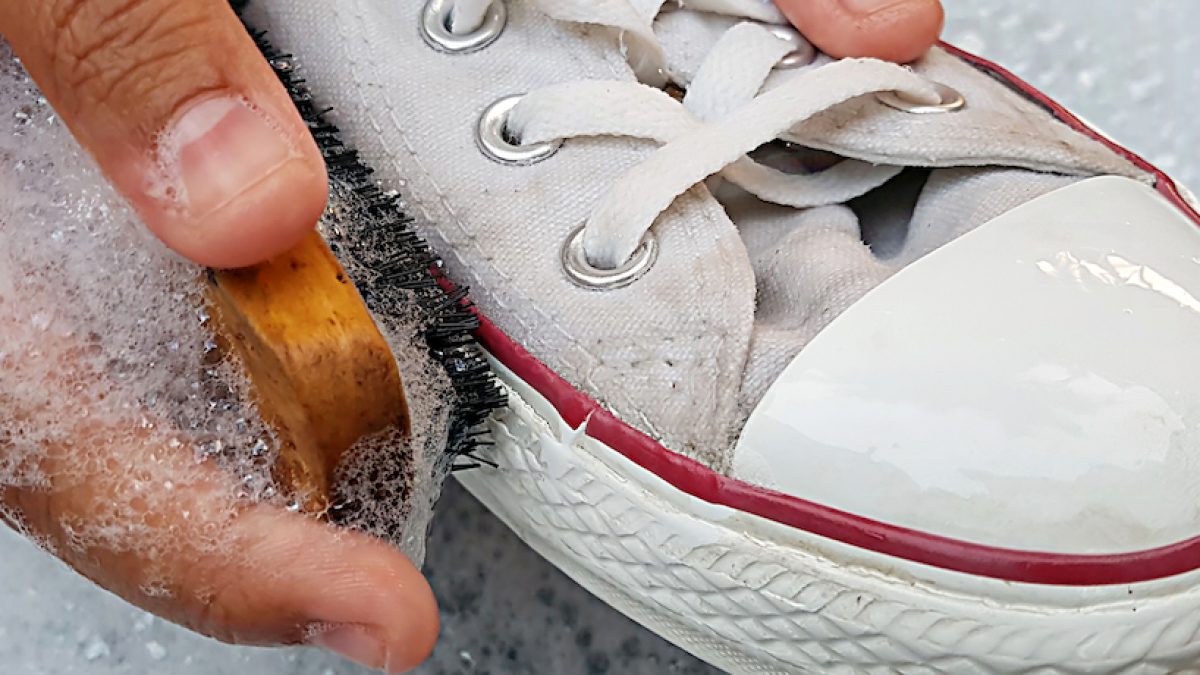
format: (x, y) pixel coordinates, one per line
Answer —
(869, 6)
(216, 150)
(353, 643)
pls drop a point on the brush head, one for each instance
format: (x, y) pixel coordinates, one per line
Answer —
(398, 274)
(315, 359)
(324, 374)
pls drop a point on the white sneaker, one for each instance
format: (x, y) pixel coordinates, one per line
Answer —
(915, 390)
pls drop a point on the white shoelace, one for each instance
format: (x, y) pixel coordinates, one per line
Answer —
(722, 117)
(467, 16)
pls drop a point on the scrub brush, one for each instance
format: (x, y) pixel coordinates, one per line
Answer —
(310, 327)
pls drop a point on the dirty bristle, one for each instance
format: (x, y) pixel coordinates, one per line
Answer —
(396, 265)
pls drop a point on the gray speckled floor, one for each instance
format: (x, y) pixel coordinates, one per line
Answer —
(1129, 67)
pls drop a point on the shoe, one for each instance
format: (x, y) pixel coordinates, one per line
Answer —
(811, 364)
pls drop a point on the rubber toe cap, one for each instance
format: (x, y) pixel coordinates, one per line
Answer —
(1034, 385)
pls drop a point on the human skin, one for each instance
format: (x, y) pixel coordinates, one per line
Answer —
(163, 93)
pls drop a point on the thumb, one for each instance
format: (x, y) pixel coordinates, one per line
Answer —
(895, 30)
(184, 116)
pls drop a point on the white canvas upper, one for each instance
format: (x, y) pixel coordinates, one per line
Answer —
(670, 353)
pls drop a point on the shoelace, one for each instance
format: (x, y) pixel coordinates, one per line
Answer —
(466, 16)
(722, 117)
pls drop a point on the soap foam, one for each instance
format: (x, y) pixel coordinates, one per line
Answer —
(108, 367)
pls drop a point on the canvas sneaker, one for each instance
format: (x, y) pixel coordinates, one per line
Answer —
(812, 364)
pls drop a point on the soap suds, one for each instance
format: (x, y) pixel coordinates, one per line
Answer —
(108, 367)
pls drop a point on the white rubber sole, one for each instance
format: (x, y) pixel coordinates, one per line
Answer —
(752, 596)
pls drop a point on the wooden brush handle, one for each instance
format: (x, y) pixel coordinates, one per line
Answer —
(322, 372)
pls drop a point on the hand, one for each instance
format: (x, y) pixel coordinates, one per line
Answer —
(190, 124)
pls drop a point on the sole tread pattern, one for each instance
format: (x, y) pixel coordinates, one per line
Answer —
(714, 592)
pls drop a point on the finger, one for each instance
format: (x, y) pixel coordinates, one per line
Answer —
(124, 502)
(895, 30)
(183, 114)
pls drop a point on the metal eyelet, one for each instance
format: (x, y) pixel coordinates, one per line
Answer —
(952, 101)
(494, 140)
(803, 54)
(435, 28)
(585, 274)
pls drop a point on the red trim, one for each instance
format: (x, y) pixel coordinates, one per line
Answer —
(699, 481)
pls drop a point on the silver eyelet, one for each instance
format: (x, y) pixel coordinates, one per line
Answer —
(587, 275)
(952, 101)
(493, 138)
(435, 27)
(803, 54)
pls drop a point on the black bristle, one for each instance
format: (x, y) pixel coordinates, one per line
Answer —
(411, 267)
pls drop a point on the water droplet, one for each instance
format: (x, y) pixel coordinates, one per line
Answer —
(156, 651)
(96, 649)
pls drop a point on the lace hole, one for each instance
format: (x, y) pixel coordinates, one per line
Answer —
(497, 143)
(586, 275)
(951, 101)
(435, 27)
